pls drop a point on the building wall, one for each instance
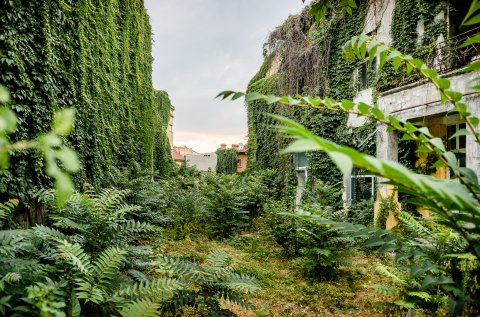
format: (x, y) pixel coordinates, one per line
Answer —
(203, 162)
(170, 128)
(242, 162)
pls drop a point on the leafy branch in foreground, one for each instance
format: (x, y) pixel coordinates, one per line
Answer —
(49, 144)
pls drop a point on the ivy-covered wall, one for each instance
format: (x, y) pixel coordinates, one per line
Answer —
(95, 56)
(307, 58)
(308, 55)
(226, 161)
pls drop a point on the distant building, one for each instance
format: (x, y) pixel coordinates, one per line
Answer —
(179, 152)
(203, 162)
(241, 155)
(170, 128)
(177, 157)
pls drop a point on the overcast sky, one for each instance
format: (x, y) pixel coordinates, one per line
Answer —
(202, 47)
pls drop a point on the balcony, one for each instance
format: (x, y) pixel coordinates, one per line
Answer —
(446, 57)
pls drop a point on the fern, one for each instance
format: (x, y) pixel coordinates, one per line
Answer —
(7, 209)
(384, 290)
(9, 278)
(163, 288)
(241, 283)
(132, 226)
(107, 264)
(89, 292)
(414, 227)
(12, 242)
(74, 254)
(47, 233)
(218, 260)
(141, 308)
(394, 276)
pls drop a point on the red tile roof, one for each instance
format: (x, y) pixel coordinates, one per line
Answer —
(177, 156)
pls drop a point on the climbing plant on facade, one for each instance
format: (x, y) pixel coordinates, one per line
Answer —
(90, 55)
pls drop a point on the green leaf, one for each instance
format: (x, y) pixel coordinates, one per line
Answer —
(69, 159)
(460, 132)
(225, 94)
(429, 73)
(302, 146)
(63, 188)
(363, 108)
(438, 143)
(469, 174)
(347, 104)
(473, 66)
(471, 40)
(474, 121)
(343, 162)
(4, 159)
(237, 95)
(472, 16)
(454, 95)
(253, 96)
(442, 83)
(4, 94)
(8, 120)
(451, 159)
(63, 121)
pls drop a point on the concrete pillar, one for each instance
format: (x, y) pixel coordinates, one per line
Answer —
(473, 148)
(387, 149)
(301, 180)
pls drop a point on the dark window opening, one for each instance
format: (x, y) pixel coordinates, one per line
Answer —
(457, 144)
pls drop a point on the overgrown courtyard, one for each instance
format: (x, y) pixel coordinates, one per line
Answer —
(97, 220)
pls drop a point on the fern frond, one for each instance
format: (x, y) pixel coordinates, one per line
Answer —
(141, 308)
(68, 223)
(235, 298)
(384, 290)
(241, 283)
(9, 278)
(7, 209)
(12, 241)
(407, 221)
(181, 268)
(109, 198)
(218, 260)
(152, 289)
(138, 276)
(90, 293)
(47, 233)
(107, 264)
(423, 295)
(389, 272)
(73, 253)
(132, 226)
(123, 210)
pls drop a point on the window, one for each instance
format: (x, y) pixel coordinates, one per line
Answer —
(364, 73)
(239, 162)
(301, 160)
(362, 187)
(458, 143)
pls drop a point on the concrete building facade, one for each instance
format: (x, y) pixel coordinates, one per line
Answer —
(204, 162)
(419, 102)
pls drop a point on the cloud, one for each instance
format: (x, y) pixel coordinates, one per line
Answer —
(202, 47)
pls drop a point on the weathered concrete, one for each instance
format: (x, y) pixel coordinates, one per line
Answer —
(420, 102)
(379, 20)
(202, 161)
(365, 96)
